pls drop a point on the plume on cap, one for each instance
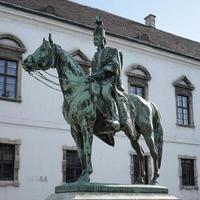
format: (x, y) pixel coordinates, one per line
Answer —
(99, 30)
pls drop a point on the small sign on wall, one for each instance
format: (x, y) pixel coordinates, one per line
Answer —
(40, 179)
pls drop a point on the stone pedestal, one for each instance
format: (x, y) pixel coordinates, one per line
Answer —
(97, 191)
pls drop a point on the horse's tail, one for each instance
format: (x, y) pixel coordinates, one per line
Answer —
(158, 132)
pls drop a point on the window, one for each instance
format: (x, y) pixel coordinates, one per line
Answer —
(71, 165)
(82, 60)
(137, 90)
(135, 168)
(184, 106)
(8, 78)
(138, 78)
(9, 162)
(188, 172)
(7, 154)
(11, 50)
(183, 110)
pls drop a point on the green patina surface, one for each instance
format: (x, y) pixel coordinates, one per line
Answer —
(98, 105)
(111, 188)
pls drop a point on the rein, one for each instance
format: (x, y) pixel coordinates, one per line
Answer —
(52, 63)
(39, 74)
(64, 79)
(31, 74)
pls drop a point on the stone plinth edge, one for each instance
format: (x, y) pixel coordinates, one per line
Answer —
(110, 196)
(109, 188)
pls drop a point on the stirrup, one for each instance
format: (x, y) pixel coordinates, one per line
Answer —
(113, 123)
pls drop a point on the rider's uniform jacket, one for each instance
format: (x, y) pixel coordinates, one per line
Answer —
(107, 61)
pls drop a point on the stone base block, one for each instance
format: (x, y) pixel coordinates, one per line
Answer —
(104, 191)
(110, 196)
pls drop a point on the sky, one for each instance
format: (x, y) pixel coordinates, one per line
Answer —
(180, 17)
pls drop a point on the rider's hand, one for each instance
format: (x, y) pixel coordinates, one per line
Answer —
(97, 76)
(91, 78)
(94, 77)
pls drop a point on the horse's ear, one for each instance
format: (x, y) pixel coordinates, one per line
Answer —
(50, 39)
(43, 39)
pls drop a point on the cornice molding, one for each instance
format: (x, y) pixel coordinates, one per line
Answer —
(48, 19)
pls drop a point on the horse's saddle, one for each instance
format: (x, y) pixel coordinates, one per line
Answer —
(95, 89)
(102, 131)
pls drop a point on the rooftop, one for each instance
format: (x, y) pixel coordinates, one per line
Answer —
(84, 16)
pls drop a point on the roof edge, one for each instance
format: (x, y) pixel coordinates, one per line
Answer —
(51, 16)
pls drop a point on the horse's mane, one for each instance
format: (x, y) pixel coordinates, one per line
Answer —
(73, 65)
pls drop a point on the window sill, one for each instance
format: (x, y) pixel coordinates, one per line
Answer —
(11, 100)
(9, 183)
(183, 187)
(187, 126)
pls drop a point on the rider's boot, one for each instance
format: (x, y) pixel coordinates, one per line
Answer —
(112, 115)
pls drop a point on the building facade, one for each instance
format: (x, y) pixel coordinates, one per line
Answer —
(37, 151)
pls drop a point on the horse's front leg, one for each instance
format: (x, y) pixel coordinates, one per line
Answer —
(87, 133)
(78, 139)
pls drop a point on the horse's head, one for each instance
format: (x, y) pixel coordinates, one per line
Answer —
(42, 58)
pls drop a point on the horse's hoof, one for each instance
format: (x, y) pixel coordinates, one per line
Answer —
(157, 174)
(154, 182)
(140, 181)
(83, 179)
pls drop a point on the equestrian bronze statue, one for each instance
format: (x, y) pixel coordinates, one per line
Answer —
(97, 104)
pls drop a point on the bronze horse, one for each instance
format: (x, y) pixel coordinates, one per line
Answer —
(82, 112)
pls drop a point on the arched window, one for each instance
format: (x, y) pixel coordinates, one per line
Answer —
(138, 78)
(82, 60)
(11, 50)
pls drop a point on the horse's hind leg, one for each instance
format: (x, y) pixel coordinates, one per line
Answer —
(148, 136)
(140, 153)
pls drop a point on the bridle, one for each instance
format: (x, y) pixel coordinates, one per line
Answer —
(52, 62)
(52, 51)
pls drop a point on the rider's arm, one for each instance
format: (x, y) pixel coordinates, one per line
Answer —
(111, 68)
